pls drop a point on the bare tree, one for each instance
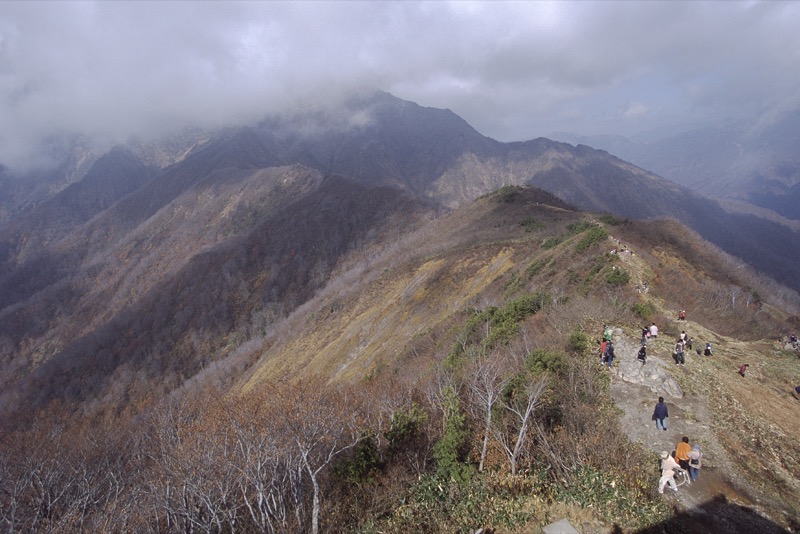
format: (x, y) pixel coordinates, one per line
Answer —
(487, 378)
(512, 430)
(321, 423)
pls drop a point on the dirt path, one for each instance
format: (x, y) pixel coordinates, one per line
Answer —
(635, 389)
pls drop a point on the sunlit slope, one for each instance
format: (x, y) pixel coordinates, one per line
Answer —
(371, 316)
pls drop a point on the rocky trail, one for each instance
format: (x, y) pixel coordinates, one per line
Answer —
(722, 499)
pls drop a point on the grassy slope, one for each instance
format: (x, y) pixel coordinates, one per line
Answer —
(401, 308)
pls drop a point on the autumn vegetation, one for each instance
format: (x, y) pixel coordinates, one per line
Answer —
(496, 413)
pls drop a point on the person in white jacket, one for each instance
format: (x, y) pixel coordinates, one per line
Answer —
(668, 468)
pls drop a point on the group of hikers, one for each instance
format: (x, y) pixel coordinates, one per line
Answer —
(684, 342)
(685, 459)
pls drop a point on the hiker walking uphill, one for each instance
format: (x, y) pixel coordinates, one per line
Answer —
(660, 414)
(695, 461)
(679, 355)
(608, 355)
(682, 450)
(653, 331)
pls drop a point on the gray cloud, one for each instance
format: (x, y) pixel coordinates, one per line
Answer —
(115, 70)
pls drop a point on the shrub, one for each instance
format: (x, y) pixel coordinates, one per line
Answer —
(530, 224)
(644, 309)
(451, 450)
(536, 266)
(578, 342)
(362, 464)
(618, 277)
(540, 361)
(594, 235)
(552, 242)
(406, 426)
(611, 220)
(578, 227)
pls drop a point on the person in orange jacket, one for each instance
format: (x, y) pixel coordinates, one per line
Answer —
(682, 450)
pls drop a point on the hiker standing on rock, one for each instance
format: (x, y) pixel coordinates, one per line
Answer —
(660, 414)
(668, 467)
(695, 461)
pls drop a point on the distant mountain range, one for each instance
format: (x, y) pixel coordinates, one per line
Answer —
(757, 162)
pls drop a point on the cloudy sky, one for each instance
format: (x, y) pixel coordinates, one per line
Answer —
(111, 70)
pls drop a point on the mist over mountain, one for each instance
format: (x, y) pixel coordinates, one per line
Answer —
(754, 161)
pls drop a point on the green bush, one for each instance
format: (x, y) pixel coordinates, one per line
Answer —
(618, 277)
(530, 224)
(594, 235)
(644, 309)
(362, 464)
(536, 266)
(406, 426)
(540, 361)
(578, 227)
(611, 220)
(578, 342)
(450, 452)
(552, 242)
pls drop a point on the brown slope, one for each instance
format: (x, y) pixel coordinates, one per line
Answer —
(176, 313)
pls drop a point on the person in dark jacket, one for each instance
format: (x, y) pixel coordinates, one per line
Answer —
(660, 414)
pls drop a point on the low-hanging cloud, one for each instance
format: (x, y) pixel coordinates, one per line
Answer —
(112, 71)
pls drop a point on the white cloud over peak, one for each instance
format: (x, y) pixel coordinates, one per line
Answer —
(514, 70)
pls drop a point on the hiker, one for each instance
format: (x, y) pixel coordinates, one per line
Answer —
(608, 333)
(653, 331)
(668, 467)
(682, 315)
(682, 452)
(743, 369)
(689, 341)
(793, 341)
(683, 336)
(603, 351)
(609, 354)
(695, 462)
(660, 414)
(642, 356)
(645, 335)
(679, 356)
(707, 352)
